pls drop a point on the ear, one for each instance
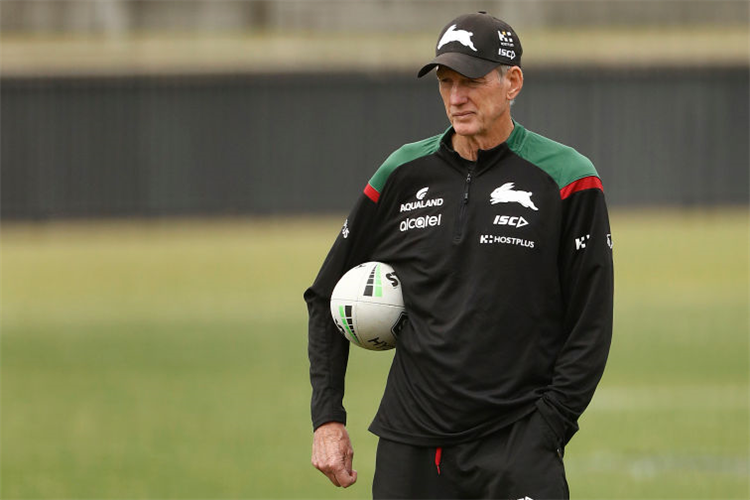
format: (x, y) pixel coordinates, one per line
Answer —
(515, 77)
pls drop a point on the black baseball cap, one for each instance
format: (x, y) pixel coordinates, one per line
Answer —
(475, 44)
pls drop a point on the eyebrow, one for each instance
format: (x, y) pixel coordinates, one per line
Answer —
(480, 79)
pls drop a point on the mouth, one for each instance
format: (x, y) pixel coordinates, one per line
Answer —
(462, 114)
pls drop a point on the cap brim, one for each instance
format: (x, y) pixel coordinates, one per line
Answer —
(470, 67)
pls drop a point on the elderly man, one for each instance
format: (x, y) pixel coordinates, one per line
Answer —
(509, 296)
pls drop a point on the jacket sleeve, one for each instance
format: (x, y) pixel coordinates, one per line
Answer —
(328, 350)
(587, 283)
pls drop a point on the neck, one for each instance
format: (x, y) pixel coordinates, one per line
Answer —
(468, 146)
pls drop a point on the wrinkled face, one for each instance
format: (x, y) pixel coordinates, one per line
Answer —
(474, 105)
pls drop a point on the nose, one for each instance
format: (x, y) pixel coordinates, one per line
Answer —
(457, 94)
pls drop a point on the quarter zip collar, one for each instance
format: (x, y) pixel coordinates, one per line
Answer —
(486, 158)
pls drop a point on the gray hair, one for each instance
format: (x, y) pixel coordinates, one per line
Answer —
(502, 70)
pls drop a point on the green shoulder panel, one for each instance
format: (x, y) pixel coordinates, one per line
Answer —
(404, 154)
(563, 163)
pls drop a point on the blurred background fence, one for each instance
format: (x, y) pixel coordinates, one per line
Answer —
(308, 143)
(150, 108)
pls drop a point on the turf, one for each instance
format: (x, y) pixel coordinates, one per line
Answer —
(167, 359)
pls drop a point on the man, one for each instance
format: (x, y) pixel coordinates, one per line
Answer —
(509, 293)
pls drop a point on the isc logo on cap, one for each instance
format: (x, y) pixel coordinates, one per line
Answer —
(510, 54)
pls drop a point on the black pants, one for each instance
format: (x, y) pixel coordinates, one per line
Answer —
(521, 461)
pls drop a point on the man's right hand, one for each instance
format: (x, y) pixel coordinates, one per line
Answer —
(332, 454)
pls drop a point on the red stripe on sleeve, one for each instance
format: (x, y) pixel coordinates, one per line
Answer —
(372, 193)
(580, 185)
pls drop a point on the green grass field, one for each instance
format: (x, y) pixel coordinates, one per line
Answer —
(167, 359)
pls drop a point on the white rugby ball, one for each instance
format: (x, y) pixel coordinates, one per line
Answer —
(367, 306)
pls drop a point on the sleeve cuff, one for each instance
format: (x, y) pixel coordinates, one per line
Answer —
(563, 427)
(324, 419)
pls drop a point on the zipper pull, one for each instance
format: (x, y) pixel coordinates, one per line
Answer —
(466, 191)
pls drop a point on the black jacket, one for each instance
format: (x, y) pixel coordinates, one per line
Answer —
(506, 269)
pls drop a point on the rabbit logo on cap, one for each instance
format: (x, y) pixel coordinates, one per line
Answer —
(461, 36)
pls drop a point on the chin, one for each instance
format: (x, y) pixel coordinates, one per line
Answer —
(466, 129)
